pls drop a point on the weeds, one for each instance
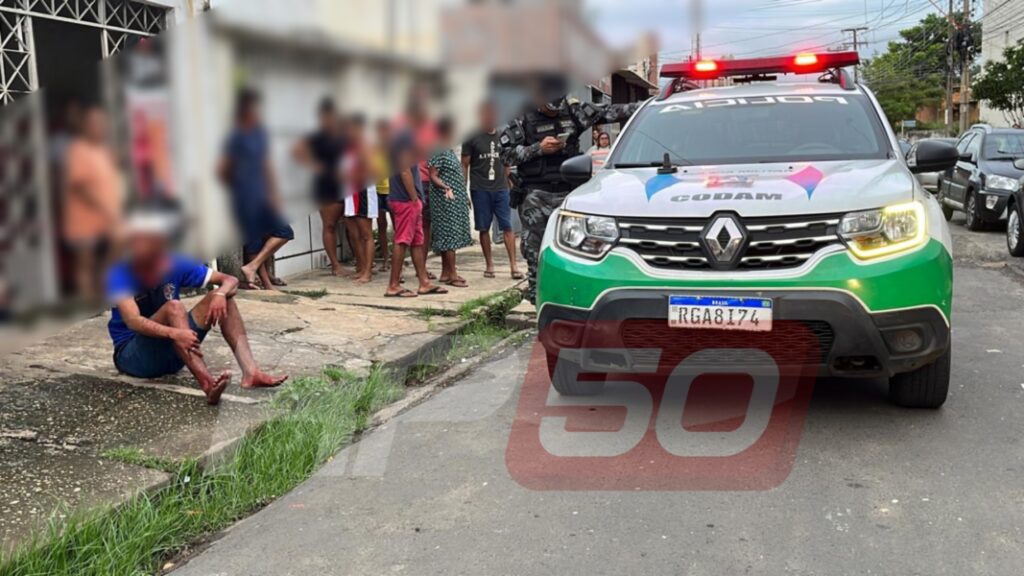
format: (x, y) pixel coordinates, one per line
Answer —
(314, 294)
(313, 418)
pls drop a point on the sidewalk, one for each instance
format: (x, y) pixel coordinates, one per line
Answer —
(62, 403)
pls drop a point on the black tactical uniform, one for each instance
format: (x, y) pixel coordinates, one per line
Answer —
(538, 186)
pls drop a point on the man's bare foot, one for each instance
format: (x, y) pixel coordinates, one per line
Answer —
(338, 270)
(250, 274)
(214, 388)
(261, 380)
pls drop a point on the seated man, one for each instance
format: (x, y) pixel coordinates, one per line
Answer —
(154, 335)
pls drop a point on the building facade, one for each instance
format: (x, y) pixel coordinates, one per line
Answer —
(1003, 27)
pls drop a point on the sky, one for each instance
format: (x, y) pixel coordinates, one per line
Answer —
(751, 28)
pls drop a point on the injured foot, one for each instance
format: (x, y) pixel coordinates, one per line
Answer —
(261, 380)
(214, 388)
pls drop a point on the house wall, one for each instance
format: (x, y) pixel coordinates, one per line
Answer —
(1003, 27)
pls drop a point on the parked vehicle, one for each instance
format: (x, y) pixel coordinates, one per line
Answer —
(985, 177)
(1015, 217)
(768, 202)
(929, 180)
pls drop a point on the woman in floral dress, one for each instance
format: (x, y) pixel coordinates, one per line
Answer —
(449, 206)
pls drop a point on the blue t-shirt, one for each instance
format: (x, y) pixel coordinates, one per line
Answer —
(397, 193)
(247, 150)
(122, 283)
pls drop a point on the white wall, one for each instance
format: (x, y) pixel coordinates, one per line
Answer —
(1003, 28)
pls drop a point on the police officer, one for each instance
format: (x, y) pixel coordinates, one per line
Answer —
(536, 144)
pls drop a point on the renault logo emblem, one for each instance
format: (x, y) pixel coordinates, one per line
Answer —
(724, 238)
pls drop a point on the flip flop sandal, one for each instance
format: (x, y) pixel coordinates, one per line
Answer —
(402, 294)
(246, 285)
(434, 291)
(489, 275)
(278, 282)
(518, 276)
(458, 283)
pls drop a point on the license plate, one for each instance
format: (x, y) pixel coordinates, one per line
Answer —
(720, 313)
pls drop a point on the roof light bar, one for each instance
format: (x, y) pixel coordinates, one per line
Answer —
(803, 63)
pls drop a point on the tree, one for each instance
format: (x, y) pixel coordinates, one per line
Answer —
(1001, 84)
(912, 72)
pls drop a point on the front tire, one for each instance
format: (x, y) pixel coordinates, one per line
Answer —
(565, 377)
(927, 387)
(1015, 231)
(974, 222)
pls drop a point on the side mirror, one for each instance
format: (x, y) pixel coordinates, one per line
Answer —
(578, 169)
(1019, 164)
(934, 156)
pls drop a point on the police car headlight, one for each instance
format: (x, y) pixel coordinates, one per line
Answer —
(588, 236)
(877, 233)
(1002, 183)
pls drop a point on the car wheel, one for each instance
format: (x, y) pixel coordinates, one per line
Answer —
(1015, 231)
(565, 377)
(926, 387)
(973, 222)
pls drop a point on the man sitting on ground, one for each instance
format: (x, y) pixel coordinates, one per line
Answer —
(154, 335)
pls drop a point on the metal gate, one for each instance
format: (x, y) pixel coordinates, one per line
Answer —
(119, 20)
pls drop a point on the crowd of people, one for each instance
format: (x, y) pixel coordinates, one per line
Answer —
(400, 190)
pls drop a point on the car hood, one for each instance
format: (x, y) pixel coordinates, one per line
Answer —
(747, 189)
(1003, 168)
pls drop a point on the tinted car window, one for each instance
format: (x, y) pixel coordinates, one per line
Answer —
(755, 129)
(965, 141)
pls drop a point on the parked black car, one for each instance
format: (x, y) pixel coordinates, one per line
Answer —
(1015, 217)
(986, 177)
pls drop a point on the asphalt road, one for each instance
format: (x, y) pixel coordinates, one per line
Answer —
(873, 489)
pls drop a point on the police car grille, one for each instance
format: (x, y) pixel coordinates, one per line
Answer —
(774, 243)
(652, 343)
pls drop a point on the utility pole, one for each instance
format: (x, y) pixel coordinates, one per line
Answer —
(697, 16)
(856, 44)
(950, 47)
(965, 68)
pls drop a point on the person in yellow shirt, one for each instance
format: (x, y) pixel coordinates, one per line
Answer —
(383, 172)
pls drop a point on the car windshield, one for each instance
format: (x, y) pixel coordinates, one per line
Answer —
(1004, 146)
(754, 129)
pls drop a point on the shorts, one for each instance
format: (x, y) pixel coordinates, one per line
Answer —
(259, 223)
(362, 204)
(382, 204)
(144, 357)
(408, 222)
(490, 205)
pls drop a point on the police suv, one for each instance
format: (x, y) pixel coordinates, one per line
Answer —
(746, 205)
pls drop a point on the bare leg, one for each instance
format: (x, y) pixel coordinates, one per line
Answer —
(329, 215)
(419, 262)
(485, 245)
(233, 329)
(264, 275)
(397, 261)
(174, 314)
(510, 246)
(269, 248)
(382, 236)
(363, 249)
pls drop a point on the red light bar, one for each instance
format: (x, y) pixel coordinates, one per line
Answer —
(804, 63)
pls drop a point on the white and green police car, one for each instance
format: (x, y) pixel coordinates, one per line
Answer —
(733, 207)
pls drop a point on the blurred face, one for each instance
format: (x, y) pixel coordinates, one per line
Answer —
(488, 117)
(605, 141)
(94, 125)
(383, 133)
(252, 113)
(328, 120)
(147, 249)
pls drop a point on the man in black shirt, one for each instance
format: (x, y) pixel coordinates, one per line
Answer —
(321, 152)
(489, 188)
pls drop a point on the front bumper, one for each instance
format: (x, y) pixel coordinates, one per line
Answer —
(849, 340)
(852, 304)
(992, 204)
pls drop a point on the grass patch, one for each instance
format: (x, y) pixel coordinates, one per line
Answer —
(313, 418)
(314, 294)
(137, 457)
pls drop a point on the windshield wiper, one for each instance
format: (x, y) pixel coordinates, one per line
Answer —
(1008, 158)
